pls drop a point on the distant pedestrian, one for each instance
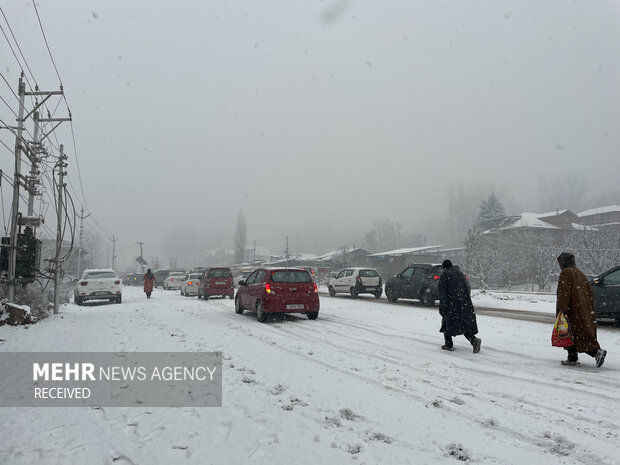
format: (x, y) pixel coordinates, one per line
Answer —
(149, 282)
(575, 299)
(455, 307)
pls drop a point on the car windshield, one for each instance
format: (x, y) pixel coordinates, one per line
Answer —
(99, 275)
(290, 276)
(369, 273)
(220, 273)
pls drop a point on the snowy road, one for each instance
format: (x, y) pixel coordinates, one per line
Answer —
(365, 383)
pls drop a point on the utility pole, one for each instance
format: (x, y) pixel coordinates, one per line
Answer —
(286, 251)
(16, 182)
(79, 263)
(114, 239)
(254, 261)
(141, 260)
(57, 265)
(34, 165)
(30, 182)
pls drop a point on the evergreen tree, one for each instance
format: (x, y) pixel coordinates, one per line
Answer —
(491, 208)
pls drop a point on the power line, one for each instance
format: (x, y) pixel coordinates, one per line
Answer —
(18, 47)
(46, 43)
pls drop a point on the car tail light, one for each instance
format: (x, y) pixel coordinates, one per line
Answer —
(171, 279)
(358, 279)
(380, 281)
(316, 289)
(466, 277)
(268, 289)
(189, 283)
(117, 282)
(435, 277)
(83, 283)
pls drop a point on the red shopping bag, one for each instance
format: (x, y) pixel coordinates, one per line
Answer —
(560, 337)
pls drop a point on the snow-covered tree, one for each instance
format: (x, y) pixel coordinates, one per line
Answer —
(595, 250)
(384, 234)
(491, 208)
(483, 258)
(240, 237)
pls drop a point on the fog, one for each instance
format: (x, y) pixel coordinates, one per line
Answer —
(317, 117)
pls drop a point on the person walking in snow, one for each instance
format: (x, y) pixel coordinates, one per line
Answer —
(149, 282)
(456, 309)
(575, 299)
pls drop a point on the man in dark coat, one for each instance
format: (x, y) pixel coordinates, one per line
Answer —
(575, 299)
(456, 308)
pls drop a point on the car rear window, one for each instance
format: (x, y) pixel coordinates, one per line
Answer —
(176, 275)
(368, 273)
(220, 273)
(290, 276)
(100, 275)
(195, 276)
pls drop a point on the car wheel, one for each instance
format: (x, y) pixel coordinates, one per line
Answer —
(78, 300)
(426, 298)
(617, 322)
(389, 292)
(378, 294)
(354, 293)
(312, 315)
(261, 316)
(332, 291)
(238, 308)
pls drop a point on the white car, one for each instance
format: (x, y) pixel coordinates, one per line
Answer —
(175, 280)
(100, 284)
(356, 281)
(191, 284)
(243, 275)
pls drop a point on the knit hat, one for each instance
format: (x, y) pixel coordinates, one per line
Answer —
(446, 264)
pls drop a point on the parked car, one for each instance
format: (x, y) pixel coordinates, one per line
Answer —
(278, 290)
(418, 281)
(356, 281)
(243, 275)
(174, 280)
(191, 284)
(217, 281)
(98, 284)
(160, 277)
(133, 279)
(606, 289)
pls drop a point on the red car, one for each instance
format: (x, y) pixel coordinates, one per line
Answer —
(216, 281)
(278, 290)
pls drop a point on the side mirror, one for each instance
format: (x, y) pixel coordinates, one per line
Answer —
(242, 283)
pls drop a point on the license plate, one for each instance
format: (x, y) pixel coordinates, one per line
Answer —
(295, 307)
(100, 293)
(219, 283)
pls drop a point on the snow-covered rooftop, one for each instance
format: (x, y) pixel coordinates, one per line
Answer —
(600, 210)
(528, 220)
(405, 251)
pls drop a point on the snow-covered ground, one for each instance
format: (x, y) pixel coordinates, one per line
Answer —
(365, 383)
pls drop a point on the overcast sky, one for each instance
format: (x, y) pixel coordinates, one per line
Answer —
(309, 113)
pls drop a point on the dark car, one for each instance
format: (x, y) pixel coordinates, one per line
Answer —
(606, 289)
(216, 281)
(278, 290)
(160, 276)
(418, 281)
